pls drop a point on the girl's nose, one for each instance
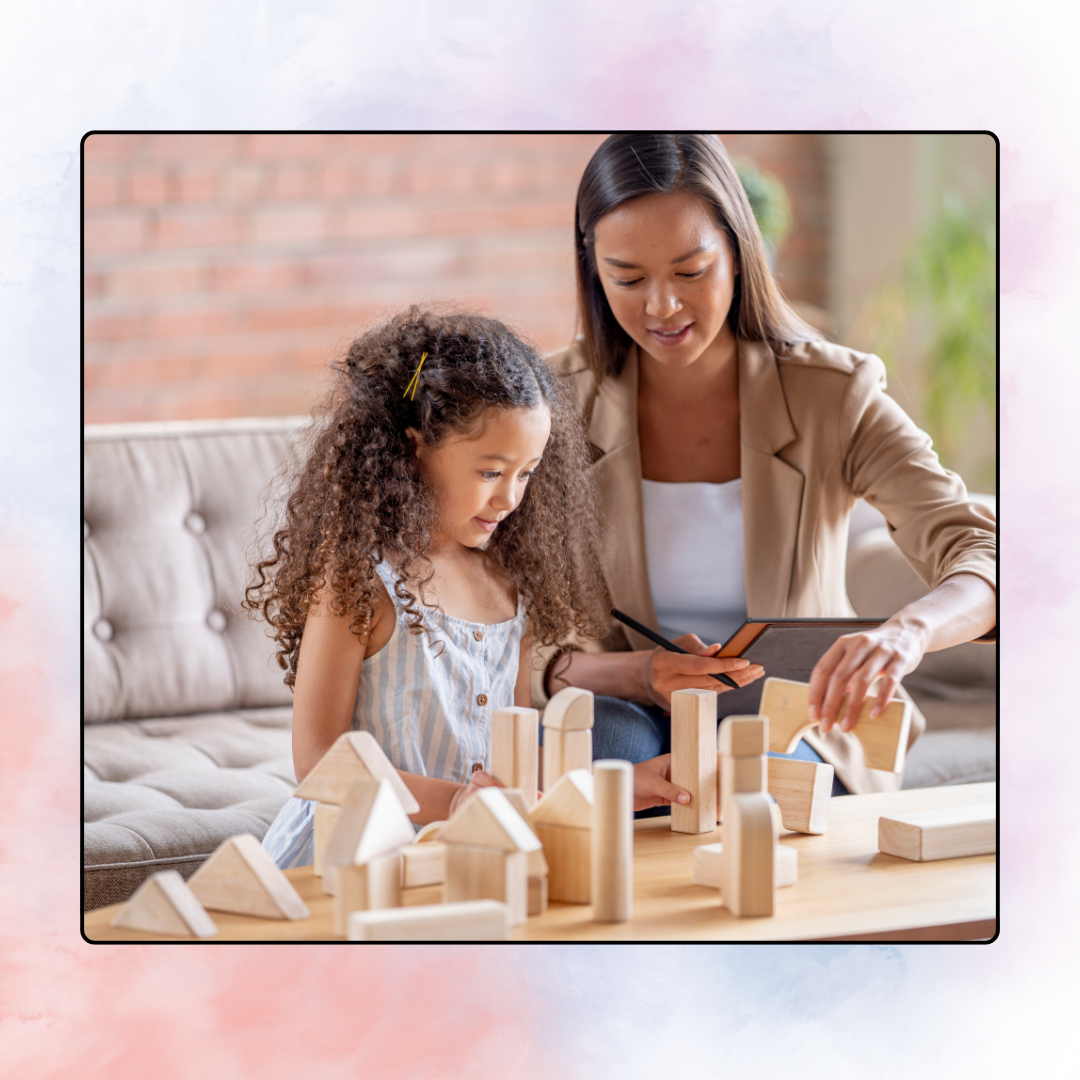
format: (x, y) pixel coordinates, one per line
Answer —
(503, 499)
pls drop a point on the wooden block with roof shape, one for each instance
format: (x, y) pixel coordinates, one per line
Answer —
(163, 904)
(537, 863)
(883, 739)
(569, 803)
(242, 878)
(563, 822)
(356, 755)
(488, 820)
(372, 822)
(571, 709)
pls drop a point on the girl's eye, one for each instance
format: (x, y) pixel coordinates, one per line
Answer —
(526, 476)
(490, 474)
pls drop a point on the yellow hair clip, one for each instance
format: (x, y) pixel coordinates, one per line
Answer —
(414, 381)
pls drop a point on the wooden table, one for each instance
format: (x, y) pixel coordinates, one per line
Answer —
(846, 890)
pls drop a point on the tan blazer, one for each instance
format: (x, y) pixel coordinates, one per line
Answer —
(817, 431)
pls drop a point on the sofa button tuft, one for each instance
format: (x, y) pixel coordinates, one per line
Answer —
(103, 630)
(195, 523)
(216, 620)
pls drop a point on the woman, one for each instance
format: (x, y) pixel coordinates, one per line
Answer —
(730, 443)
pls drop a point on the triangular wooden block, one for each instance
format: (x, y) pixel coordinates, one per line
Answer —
(371, 823)
(355, 756)
(488, 820)
(241, 877)
(571, 709)
(569, 802)
(163, 904)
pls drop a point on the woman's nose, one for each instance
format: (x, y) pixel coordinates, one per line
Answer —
(661, 302)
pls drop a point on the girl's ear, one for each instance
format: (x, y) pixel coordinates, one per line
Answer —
(416, 440)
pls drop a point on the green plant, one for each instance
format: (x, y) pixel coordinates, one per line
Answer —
(942, 303)
(768, 199)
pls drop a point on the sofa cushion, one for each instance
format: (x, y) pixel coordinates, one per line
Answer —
(965, 756)
(163, 793)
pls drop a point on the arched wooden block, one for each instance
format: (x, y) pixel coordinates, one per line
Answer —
(749, 845)
(884, 739)
(571, 709)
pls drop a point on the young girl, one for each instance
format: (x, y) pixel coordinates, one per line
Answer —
(443, 520)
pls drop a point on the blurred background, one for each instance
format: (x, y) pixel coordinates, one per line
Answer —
(223, 272)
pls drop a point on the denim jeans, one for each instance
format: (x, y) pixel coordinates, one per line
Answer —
(633, 732)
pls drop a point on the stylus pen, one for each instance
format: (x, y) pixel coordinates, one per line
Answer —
(727, 680)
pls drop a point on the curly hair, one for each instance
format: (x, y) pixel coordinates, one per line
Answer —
(360, 497)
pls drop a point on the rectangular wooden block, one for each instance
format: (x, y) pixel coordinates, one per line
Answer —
(693, 759)
(884, 739)
(743, 736)
(474, 920)
(563, 751)
(480, 873)
(613, 841)
(326, 815)
(423, 864)
(568, 852)
(928, 835)
(374, 885)
(515, 750)
(538, 894)
(802, 790)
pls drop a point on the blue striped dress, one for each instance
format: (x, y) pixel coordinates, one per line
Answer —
(429, 709)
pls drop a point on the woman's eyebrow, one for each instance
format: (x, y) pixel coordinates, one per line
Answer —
(682, 258)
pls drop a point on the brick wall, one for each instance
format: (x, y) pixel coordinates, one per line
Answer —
(224, 271)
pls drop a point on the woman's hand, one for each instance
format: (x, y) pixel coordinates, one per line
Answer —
(664, 672)
(478, 780)
(653, 786)
(888, 652)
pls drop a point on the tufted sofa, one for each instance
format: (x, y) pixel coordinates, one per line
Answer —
(186, 719)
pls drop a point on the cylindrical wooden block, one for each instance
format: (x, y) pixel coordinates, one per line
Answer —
(613, 841)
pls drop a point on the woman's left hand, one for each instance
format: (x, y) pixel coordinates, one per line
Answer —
(888, 652)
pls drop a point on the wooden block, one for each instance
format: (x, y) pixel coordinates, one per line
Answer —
(474, 920)
(326, 815)
(569, 860)
(483, 873)
(884, 740)
(708, 865)
(568, 803)
(429, 832)
(613, 841)
(515, 750)
(571, 709)
(538, 894)
(374, 885)
(242, 878)
(747, 883)
(356, 755)
(928, 835)
(563, 751)
(488, 820)
(423, 864)
(802, 790)
(743, 736)
(163, 904)
(371, 822)
(693, 759)
(537, 863)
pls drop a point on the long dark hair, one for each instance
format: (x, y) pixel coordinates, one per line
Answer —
(628, 166)
(360, 497)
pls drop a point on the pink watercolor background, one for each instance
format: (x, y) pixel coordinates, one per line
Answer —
(67, 1008)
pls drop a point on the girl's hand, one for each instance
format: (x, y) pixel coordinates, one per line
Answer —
(478, 780)
(653, 786)
(663, 672)
(854, 661)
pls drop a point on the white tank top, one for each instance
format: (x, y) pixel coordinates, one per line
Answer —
(694, 549)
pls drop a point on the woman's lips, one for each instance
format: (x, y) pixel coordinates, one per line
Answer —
(487, 526)
(665, 338)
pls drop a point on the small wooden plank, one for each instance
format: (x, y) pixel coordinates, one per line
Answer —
(749, 841)
(571, 709)
(488, 820)
(802, 790)
(884, 739)
(568, 803)
(515, 750)
(569, 860)
(483, 873)
(371, 886)
(474, 920)
(563, 751)
(423, 864)
(613, 841)
(929, 835)
(326, 815)
(242, 878)
(693, 759)
(356, 755)
(163, 904)
(707, 868)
